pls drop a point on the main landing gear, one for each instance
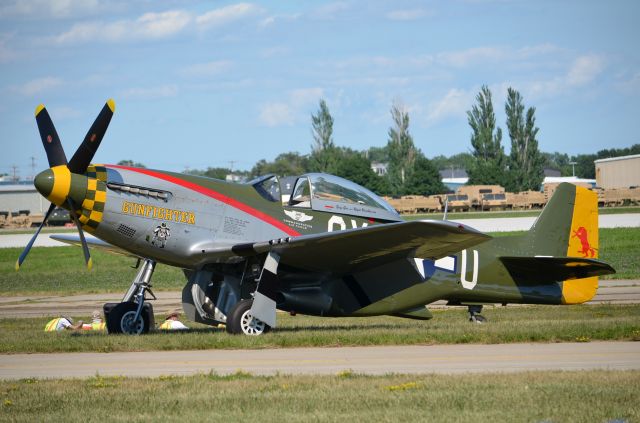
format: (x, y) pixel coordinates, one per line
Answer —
(241, 321)
(474, 314)
(133, 315)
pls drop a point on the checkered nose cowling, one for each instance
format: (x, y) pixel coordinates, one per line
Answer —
(92, 206)
(88, 192)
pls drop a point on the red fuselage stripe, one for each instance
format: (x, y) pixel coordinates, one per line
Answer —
(215, 195)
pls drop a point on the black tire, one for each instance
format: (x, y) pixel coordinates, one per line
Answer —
(240, 321)
(120, 320)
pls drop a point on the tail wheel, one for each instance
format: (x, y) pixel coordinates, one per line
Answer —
(240, 320)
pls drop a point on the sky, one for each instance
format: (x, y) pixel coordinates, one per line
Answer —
(202, 84)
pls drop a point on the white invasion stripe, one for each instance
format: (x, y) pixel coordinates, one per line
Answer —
(420, 265)
(446, 263)
(264, 308)
(271, 263)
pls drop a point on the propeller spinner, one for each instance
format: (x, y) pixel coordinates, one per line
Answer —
(65, 183)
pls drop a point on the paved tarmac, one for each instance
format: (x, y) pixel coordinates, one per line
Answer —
(443, 359)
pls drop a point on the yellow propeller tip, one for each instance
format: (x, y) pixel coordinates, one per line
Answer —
(112, 105)
(39, 108)
(90, 264)
(17, 265)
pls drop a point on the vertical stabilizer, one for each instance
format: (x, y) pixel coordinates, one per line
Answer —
(568, 226)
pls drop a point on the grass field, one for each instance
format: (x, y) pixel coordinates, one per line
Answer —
(594, 396)
(506, 325)
(508, 213)
(61, 269)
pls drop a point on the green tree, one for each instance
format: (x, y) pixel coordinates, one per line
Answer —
(354, 166)
(457, 161)
(526, 164)
(424, 179)
(402, 151)
(286, 164)
(486, 141)
(323, 150)
(130, 163)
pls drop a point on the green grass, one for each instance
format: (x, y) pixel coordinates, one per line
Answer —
(506, 325)
(61, 269)
(507, 213)
(593, 396)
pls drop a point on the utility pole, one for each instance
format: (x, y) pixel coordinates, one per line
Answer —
(573, 167)
(14, 169)
(33, 168)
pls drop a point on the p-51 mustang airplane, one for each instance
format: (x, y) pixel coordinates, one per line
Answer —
(335, 249)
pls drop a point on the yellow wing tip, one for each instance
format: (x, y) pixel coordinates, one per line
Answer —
(17, 265)
(90, 264)
(112, 105)
(39, 108)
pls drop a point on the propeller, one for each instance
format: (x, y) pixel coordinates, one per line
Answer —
(56, 182)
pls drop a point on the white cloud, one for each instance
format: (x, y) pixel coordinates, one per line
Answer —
(224, 15)
(6, 52)
(471, 56)
(455, 103)
(147, 26)
(582, 71)
(151, 93)
(276, 114)
(585, 69)
(56, 9)
(292, 110)
(408, 14)
(38, 86)
(330, 11)
(207, 69)
(304, 97)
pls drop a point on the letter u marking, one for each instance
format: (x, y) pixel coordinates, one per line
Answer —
(463, 271)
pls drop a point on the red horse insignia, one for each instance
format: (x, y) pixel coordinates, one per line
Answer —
(582, 235)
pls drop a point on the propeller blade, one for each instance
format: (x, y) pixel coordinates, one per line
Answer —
(50, 139)
(85, 247)
(33, 238)
(84, 154)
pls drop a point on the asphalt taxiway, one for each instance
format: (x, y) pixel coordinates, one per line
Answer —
(441, 359)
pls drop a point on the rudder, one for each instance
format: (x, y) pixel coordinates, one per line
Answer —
(568, 226)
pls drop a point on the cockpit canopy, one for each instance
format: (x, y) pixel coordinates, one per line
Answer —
(329, 193)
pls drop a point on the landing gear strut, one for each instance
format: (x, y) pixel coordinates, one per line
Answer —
(133, 316)
(474, 314)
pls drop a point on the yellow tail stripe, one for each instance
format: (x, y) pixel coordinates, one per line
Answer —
(583, 242)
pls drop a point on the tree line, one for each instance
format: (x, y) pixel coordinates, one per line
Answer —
(410, 172)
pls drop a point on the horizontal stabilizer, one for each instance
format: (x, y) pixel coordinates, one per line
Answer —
(541, 269)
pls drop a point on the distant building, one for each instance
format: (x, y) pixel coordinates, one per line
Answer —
(618, 172)
(380, 169)
(454, 178)
(552, 172)
(569, 179)
(22, 196)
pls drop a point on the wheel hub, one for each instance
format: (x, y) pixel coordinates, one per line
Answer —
(251, 325)
(131, 326)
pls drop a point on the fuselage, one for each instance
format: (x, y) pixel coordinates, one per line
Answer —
(180, 219)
